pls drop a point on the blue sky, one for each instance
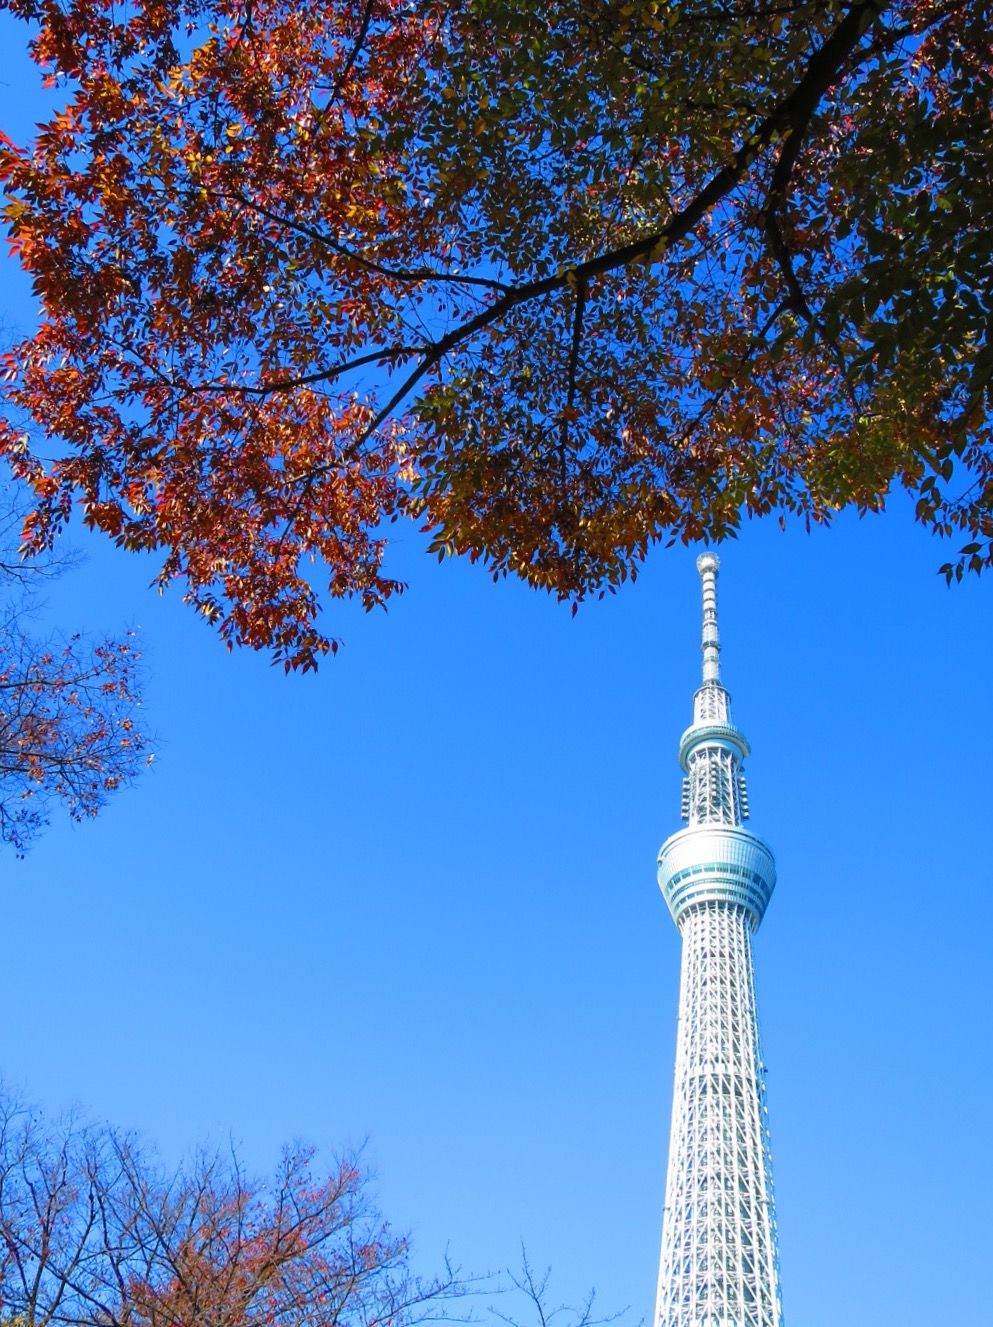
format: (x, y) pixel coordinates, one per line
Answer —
(411, 901)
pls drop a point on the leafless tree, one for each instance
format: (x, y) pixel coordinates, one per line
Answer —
(95, 1233)
(69, 724)
(526, 1301)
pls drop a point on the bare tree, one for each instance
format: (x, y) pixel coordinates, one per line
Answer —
(531, 1303)
(69, 726)
(95, 1233)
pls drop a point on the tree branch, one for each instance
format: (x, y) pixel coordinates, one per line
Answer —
(414, 275)
(577, 337)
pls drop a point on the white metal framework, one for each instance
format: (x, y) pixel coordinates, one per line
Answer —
(720, 1265)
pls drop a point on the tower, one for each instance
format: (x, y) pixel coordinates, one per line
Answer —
(719, 1265)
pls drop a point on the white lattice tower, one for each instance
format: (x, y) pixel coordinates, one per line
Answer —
(719, 1264)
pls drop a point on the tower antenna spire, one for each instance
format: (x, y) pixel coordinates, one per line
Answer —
(708, 565)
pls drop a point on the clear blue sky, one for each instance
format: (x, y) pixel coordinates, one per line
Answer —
(412, 901)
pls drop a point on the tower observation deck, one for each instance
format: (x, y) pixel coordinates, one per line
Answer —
(719, 1265)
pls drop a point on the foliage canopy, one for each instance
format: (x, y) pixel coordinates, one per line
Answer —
(557, 281)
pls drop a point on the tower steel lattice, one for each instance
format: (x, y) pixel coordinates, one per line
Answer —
(719, 1265)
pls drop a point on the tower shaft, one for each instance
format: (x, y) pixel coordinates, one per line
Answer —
(719, 1264)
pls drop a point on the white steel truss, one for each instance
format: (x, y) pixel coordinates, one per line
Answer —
(719, 1264)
